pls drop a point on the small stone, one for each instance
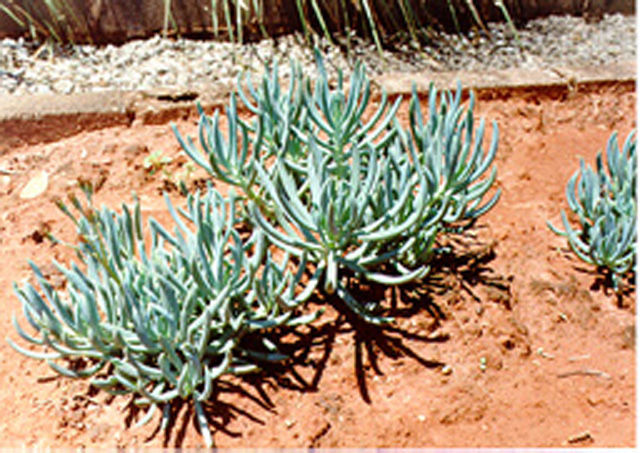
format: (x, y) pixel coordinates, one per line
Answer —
(421, 418)
(36, 186)
(64, 86)
(447, 370)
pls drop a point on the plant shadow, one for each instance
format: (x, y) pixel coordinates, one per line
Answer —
(219, 412)
(459, 267)
(603, 281)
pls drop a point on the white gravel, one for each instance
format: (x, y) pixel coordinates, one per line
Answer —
(185, 64)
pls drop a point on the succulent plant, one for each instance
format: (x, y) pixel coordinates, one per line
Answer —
(162, 322)
(352, 194)
(604, 202)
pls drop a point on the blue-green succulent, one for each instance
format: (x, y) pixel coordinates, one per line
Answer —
(605, 205)
(330, 179)
(162, 321)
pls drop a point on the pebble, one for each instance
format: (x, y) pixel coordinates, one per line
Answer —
(186, 64)
(36, 186)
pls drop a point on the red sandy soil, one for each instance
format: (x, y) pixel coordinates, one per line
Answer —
(558, 351)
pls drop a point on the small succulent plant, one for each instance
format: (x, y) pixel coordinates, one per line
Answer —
(161, 322)
(351, 194)
(604, 202)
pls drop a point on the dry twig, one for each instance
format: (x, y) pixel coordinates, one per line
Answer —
(585, 372)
